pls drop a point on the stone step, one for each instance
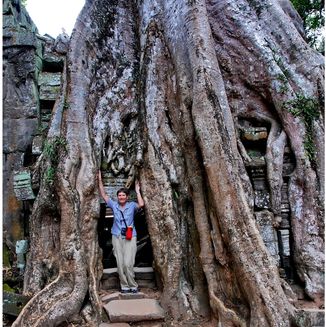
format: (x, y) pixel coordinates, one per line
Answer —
(144, 276)
(118, 324)
(122, 296)
(311, 317)
(112, 283)
(137, 270)
(134, 310)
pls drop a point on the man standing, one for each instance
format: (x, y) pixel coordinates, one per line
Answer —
(124, 249)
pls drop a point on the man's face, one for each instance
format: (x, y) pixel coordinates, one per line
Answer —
(122, 198)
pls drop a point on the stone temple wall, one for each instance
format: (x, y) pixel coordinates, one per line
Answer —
(32, 67)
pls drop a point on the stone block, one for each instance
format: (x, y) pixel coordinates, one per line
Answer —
(7, 8)
(265, 220)
(49, 79)
(37, 145)
(285, 239)
(273, 249)
(9, 21)
(48, 92)
(13, 303)
(110, 283)
(254, 134)
(311, 318)
(52, 62)
(23, 185)
(262, 200)
(134, 310)
(110, 297)
(259, 184)
(118, 324)
(14, 38)
(22, 138)
(122, 296)
(131, 296)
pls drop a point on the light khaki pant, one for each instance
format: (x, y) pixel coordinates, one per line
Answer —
(125, 254)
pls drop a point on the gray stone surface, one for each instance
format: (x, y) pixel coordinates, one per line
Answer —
(22, 138)
(49, 92)
(265, 220)
(285, 239)
(311, 318)
(50, 79)
(21, 54)
(23, 185)
(137, 270)
(131, 296)
(118, 324)
(254, 133)
(37, 145)
(262, 200)
(145, 277)
(110, 297)
(134, 310)
(122, 296)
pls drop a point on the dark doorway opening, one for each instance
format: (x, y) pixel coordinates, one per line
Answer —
(144, 256)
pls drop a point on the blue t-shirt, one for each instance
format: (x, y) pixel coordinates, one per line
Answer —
(129, 211)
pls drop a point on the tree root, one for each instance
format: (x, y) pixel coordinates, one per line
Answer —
(225, 314)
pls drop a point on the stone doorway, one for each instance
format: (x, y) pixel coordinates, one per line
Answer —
(144, 272)
(144, 257)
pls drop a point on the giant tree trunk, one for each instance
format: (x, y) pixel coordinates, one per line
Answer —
(158, 88)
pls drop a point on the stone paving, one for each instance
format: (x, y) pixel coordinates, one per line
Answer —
(128, 307)
(134, 310)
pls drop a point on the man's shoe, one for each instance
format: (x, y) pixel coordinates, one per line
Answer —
(134, 290)
(125, 290)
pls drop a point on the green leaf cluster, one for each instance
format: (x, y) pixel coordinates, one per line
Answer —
(308, 110)
(52, 150)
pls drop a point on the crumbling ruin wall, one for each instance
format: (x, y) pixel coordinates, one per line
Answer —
(32, 69)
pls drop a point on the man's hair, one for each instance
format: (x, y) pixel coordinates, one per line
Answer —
(123, 190)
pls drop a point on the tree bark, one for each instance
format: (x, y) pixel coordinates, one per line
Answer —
(157, 89)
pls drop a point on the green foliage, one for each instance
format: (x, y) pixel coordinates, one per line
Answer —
(52, 150)
(7, 288)
(42, 129)
(24, 3)
(66, 105)
(284, 83)
(312, 13)
(5, 256)
(307, 109)
(49, 175)
(176, 195)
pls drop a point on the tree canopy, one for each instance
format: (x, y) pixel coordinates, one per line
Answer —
(312, 13)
